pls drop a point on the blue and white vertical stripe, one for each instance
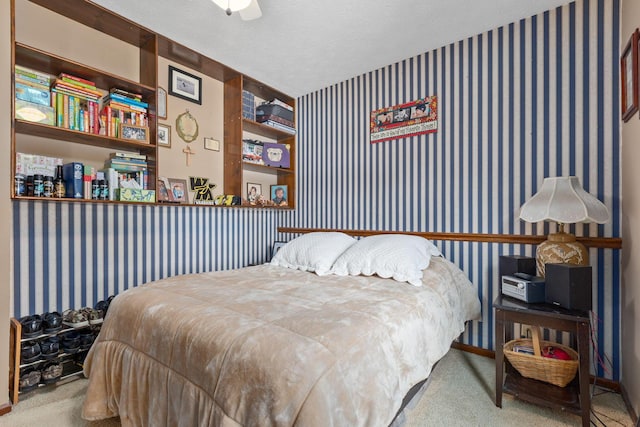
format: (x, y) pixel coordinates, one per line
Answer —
(532, 99)
(75, 254)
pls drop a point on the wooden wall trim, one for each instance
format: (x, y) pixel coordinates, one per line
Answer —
(5, 409)
(593, 242)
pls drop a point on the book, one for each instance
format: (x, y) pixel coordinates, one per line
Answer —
(279, 126)
(129, 155)
(77, 79)
(73, 180)
(32, 74)
(283, 104)
(123, 92)
(127, 100)
(31, 94)
(94, 93)
(30, 82)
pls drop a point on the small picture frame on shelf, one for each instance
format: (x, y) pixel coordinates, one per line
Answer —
(179, 190)
(164, 193)
(279, 195)
(185, 85)
(162, 103)
(164, 136)
(254, 192)
(276, 247)
(134, 133)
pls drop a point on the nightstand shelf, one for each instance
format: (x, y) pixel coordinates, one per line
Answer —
(575, 396)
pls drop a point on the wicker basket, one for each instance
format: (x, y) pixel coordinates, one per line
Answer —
(554, 371)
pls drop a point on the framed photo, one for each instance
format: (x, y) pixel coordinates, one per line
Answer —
(279, 195)
(276, 247)
(254, 191)
(211, 144)
(161, 111)
(629, 77)
(185, 85)
(164, 136)
(133, 132)
(164, 193)
(179, 190)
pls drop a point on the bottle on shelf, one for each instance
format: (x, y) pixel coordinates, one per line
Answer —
(58, 183)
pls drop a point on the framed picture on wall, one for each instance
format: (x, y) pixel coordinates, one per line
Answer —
(162, 103)
(185, 85)
(629, 77)
(164, 136)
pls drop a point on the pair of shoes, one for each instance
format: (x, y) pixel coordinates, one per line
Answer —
(29, 379)
(94, 316)
(75, 318)
(50, 347)
(86, 337)
(71, 342)
(51, 322)
(51, 372)
(31, 326)
(29, 352)
(103, 306)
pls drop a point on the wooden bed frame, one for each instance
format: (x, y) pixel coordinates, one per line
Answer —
(593, 242)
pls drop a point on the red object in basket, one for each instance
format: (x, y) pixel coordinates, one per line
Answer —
(555, 353)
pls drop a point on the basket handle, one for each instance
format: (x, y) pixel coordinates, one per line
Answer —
(535, 330)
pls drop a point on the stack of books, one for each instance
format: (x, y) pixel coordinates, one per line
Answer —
(33, 99)
(131, 167)
(122, 107)
(76, 103)
(278, 115)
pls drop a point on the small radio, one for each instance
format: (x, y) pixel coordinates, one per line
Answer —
(524, 287)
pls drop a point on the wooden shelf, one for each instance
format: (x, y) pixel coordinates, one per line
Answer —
(54, 132)
(541, 393)
(264, 168)
(265, 130)
(71, 200)
(45, 62)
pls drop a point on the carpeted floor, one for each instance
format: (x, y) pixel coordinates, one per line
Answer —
(461, 392)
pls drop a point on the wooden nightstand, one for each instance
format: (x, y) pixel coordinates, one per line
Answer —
(574, 397)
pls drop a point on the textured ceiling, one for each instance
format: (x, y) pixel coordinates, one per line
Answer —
(299, 46)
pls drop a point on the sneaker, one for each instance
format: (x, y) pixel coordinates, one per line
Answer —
(50, 347)
(29, 352)
(31, 326)
(94, 316)
(29, 379)
(51, 372)
(71, 343)
(75, 318)
(51, 322)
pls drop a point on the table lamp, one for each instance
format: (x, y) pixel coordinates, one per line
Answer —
(563, 200)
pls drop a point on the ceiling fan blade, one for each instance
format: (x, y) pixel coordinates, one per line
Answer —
(251, 12)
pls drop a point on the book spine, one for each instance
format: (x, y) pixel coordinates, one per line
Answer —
(31, 82)
(78, 84)
(96, 118)
(59, 109)
(128, 100)
(77, 112)
(77, 79)
(129, 155)
(90, 128)
(109, 122)
(72, 113)
(65, 111)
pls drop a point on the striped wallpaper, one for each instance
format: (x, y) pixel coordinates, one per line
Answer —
(532, 99)
(75, 254)
(528, 100)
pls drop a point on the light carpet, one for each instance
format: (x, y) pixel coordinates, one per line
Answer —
(461, 392)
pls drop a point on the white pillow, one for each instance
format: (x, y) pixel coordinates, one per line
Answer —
(398, 256)
(313, 252)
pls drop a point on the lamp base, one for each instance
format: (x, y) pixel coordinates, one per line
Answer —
(560, 248)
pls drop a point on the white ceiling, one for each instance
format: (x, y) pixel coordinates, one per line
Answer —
(299, 46)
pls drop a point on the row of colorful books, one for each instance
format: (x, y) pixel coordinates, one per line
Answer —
(75, 103)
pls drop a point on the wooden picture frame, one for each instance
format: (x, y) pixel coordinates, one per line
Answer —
(163, 193)
(179, 190)
(253, 198)
(185, 85)
(629, 77)
(161, 109)
(134, 133)
(164, 135)
(277, 198)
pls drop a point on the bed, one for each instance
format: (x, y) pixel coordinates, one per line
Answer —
(273, 346)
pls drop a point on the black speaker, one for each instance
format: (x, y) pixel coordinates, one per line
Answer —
(568, 286)
(510, 264)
